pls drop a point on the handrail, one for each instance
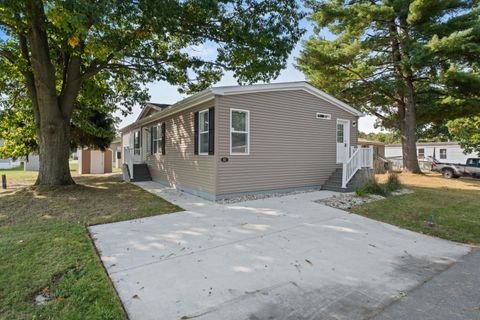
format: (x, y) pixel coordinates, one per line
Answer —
(360, 158)
(128, 159)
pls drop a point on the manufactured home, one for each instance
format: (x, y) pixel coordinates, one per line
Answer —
(8, 163)
(231, 141)
(441, 151)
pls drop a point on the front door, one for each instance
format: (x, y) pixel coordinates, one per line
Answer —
(343, 140)
(97, 161)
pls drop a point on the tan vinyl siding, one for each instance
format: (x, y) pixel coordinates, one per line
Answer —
(289, 147)
(179, 166)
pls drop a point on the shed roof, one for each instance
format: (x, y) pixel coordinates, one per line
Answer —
(370, 142)
(427, 144)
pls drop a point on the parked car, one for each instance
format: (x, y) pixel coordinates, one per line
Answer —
(457, 170)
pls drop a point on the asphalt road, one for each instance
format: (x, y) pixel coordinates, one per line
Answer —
(451, 295)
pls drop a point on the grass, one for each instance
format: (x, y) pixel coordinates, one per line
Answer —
(44, 245)
(454, 204)
(17, 177)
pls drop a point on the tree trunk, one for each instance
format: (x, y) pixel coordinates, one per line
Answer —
(408, 125)
(52, 115)
(54, 152)
(407, 107)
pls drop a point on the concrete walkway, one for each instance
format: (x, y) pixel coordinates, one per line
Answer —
(277, 258)
(452, 295)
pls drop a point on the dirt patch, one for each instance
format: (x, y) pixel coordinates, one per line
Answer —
(433, 180)
(44, 295)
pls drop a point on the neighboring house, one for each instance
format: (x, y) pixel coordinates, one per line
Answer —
(32, 162)
(441, 151)
(380, 163)
(8, 163)
(229, 141)
(116, 147)
(378, 147)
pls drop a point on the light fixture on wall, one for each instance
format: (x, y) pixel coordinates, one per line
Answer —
(354, 124)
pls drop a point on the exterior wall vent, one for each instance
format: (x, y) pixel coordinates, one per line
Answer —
(324, 116)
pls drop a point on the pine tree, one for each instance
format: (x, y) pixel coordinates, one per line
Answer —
(411, 63)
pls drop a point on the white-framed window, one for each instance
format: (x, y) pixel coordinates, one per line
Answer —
(136, 142)
(239, 132)
(443, 153)
(340, 132)
(157, 138)
(203, 132)
(421, 153)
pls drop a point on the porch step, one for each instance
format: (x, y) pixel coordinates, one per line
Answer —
(334, 183)
(141, 173)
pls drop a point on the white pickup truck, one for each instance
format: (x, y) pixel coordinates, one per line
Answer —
(457, 170)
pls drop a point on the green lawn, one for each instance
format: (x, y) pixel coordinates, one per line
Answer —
(17, 177)
(454, 204)
(44, 245)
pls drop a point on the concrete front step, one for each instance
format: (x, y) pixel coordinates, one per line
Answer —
(334, 183)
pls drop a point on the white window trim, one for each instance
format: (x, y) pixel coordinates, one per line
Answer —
(158, 127)
(421, 154)
(135, 149)
(440, 153)
(200, 132)
(247, 132)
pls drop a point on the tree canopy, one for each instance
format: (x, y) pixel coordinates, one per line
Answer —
(390, 137)
(412, 63)
(77, 59)
(92, 124)
(466, 131)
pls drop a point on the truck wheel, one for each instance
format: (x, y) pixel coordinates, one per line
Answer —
(448, 173)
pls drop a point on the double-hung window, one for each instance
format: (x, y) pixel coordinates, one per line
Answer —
(203, 132)
(421, 153)
(443, 153)
(157, 138)
(239, 132)
(136, 142)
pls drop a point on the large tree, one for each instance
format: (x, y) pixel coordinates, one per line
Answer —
(92, 123)
(411, 63)
(467, 132)
(68, 51)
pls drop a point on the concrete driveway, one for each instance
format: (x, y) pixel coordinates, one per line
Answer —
(277, 258)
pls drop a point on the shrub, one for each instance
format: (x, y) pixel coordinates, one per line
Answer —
(374, 187)
(393, 182)
(361, 191)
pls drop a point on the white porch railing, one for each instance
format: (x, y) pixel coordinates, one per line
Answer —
(128, 159)
(360, 158)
